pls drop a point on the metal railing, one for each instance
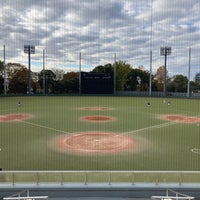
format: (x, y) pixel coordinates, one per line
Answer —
(107, 177)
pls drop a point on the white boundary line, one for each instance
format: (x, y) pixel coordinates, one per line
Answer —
(45, 127)
(151, 127)
(123, 133)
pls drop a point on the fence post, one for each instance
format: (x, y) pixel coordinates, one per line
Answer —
(61, 178)
(85, 182)
(180, 179)
(133, 179)
(38, 179)
(157, 179)
(109, 181)
(13, 178)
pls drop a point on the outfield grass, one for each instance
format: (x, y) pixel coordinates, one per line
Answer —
(160, 145)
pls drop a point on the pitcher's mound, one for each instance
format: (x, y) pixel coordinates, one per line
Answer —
(97, 118)
(93, 143)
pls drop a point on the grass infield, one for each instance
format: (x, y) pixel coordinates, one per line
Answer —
(164, 136)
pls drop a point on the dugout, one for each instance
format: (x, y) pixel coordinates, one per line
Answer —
(96, 83)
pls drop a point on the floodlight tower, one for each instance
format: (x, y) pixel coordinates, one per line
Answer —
(29, 50)
(165, 51)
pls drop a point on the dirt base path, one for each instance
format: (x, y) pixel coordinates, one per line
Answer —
(14, 117)
(180, 118)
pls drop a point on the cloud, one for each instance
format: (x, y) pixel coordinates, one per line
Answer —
(99, 29)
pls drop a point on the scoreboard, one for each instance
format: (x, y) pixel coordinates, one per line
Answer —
(96, 83)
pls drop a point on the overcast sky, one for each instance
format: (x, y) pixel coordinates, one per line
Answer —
(99, 29)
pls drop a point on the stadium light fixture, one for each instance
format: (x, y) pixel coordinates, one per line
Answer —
(165, 51)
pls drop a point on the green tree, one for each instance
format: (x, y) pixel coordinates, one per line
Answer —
(122, 72)
(17, 76)
(99, 69)
(108, 68)
(18, 82)
(194, 86)
(59, 73)
(197, 78)
(70, 75)
(11, 69)
(1, 68)
(49, 77)
(71, 82)
(1, 77)
(138, 79)
(71, 85)
(159, 78)
(178, 84)
(1, 84)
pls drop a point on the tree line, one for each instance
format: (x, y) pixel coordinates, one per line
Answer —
(58, 81)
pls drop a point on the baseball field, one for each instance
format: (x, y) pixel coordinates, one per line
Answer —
(99, 133)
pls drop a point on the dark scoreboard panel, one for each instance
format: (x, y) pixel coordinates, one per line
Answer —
(96, 83)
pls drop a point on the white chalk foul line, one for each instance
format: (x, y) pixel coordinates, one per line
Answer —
(150, 127)
(124, 133)
(45, 127)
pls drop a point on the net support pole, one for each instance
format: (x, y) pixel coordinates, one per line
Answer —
(114, 73)
(4, 65)
(44, 87)
(80, 73)
(188, 85)
(150, 80)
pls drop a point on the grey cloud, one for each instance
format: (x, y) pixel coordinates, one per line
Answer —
(99, 28)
